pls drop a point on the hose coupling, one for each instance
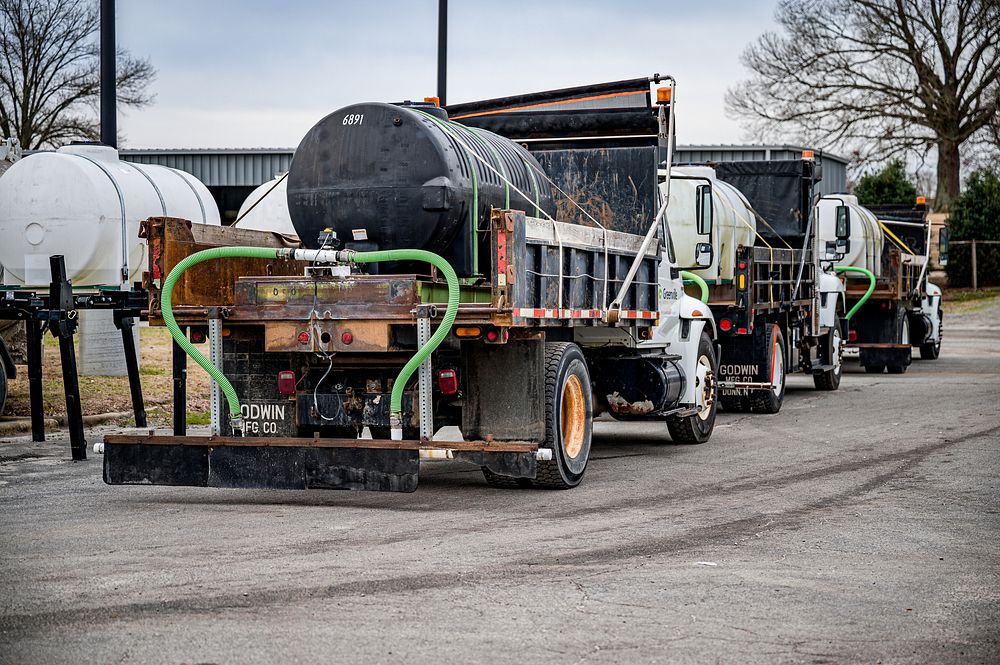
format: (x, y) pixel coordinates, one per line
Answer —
(238, 426)
(396, 426)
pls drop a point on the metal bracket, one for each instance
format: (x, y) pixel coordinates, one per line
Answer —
(424, 378)
(215, 356)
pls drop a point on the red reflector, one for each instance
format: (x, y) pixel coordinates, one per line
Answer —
(852, 336)
(303, 337)
(741, 331)
(743, 265)
(448, 381)
(347, 338)
(492, 336)
(197, 336)
(726, 325)
(286, 382)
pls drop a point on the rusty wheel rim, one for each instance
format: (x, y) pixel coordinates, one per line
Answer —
(574, 416)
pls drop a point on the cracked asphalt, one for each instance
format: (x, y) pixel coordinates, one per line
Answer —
(855, 526)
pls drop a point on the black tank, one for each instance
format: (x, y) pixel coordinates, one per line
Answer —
(387, 176)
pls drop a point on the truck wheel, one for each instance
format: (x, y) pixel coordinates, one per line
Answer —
(904, 338)
(931, 350)
(769, 401)
(830, 379)
(698, 428)
(569, 417)
(3, 387)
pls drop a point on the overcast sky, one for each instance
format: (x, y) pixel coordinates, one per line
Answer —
(259, 73)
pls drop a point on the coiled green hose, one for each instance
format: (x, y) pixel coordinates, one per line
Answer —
(424, 352)
(396, 400)
(182, 341)
(685, 274)
(868, 293)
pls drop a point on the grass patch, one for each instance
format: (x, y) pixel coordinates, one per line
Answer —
(968, 295)
(149, 370)
(199, 418)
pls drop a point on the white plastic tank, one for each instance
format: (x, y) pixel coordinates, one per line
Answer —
(733, 222)
(266, 209)
(81, 201)
(866, 240)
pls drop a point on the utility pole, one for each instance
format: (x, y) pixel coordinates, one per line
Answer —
(442, 87)
(109, 111)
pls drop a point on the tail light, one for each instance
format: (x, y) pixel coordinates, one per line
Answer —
(286, 382)
(852, 336)
(725, 325)
(448, 381)
(198, 335)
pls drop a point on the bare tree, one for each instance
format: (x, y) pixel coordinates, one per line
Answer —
(880, 78)
(49, 72)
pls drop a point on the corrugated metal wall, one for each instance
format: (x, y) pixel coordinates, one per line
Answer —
(250, 167)
(218, 168)
(834, 167)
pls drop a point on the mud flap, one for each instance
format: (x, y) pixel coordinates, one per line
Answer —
(513, 465)
(261, 467)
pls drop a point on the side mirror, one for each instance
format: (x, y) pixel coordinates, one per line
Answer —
(843, 222)
(843, 247)
(703, 212)
(943, 246)
(703, 254)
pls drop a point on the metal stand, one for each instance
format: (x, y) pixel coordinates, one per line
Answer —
(424, 378)
(34, 328)
(62, 323)
(125, 322)
(180, 388)
(215, 356)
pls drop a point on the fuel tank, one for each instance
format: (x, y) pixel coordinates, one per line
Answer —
(402, 176)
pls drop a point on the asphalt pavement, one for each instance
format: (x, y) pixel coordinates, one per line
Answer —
(859, 526)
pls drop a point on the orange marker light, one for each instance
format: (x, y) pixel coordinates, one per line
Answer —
(433, 100)
(663, 95)
(808, 154)
(921, 200)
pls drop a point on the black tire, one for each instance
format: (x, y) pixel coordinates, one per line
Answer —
(904, 338)
(931, 350)
(569, 421)
(3, 386)
(734, 403)
(697, 428)
(830, 379)
(767, 401)
(874, 369)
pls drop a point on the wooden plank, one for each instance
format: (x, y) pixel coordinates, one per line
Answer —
(304, 442)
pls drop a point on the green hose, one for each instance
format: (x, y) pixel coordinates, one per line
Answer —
(175, 331)
(868, 293)
(424, 352)
(396, 400)
(690, 276)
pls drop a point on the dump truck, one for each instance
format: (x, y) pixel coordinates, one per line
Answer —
(746, 234)
(440, 282)
(903, 308)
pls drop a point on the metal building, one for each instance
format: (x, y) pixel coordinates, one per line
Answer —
(229, 173)
(232, 173)
(834, 167)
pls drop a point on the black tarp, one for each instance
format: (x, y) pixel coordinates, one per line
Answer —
(779, 190)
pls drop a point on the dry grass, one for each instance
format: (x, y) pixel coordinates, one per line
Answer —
(104, 394)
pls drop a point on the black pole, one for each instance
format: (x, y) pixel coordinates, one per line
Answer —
(63, 326)
(442, 51)
(35, 379)
(109, 112)
(126, 324)
(180, 390)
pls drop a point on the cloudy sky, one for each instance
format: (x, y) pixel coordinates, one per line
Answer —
(259, 73)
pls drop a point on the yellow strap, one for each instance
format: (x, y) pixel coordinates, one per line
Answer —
(900, 243)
